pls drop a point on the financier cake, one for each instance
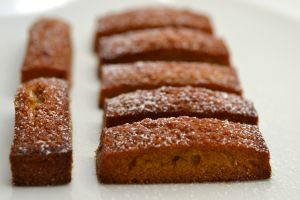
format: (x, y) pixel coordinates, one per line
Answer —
(177, 101)
(48, 51)
(150, 17)
(122, 78)
(41, 152)
(163, 44)
(183, 149)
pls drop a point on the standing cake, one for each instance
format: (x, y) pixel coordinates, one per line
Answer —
(41, 152)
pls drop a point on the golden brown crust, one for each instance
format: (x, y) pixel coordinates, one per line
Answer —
(121, 78)
(183, 149)
(151, 17)
(41, 152)
(48, 51)
(177, 101)
(168, 44)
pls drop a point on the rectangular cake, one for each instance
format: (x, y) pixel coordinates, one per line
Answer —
(163, 44)
(183, 149)
(121, 78)
(177, 101)
(41, 152)
(48, 51)
(150, 17)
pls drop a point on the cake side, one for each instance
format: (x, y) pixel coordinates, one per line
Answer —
(48, 51)
(183, 149)
(137, 19)
(177, 101)
(163, 44)
(39, 170)
(122, 78)
(41, 151)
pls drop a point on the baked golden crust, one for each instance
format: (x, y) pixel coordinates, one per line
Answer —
(177, 101)
(48, 51)
(121, 78)
(151, 17)
(165, 44)
(183, 149)
(41, 152)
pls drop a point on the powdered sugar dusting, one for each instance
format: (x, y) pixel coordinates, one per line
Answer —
(42, 124)
(182, 131)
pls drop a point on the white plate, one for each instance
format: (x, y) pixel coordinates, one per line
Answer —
(265, 48)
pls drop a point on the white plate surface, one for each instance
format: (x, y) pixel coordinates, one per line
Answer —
(265, 48)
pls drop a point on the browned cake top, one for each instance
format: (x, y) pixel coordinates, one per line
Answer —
(150, 18)
(42, 123)
(150, 40)
(147, 74)
(49, 45)
(181, 131)
(178, 99)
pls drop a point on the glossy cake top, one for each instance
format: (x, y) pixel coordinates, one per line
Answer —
(178, 99)
(150, 40)
(49, 45)
(181, 131)
(146, 74)
(150, 18)
(42, 123)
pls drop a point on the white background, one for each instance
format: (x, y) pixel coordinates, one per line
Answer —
(263, 37)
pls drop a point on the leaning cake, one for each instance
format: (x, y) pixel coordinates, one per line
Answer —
(163, 44)
(183, 149)
(177, 101)
(138, 19)
(121, 78)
